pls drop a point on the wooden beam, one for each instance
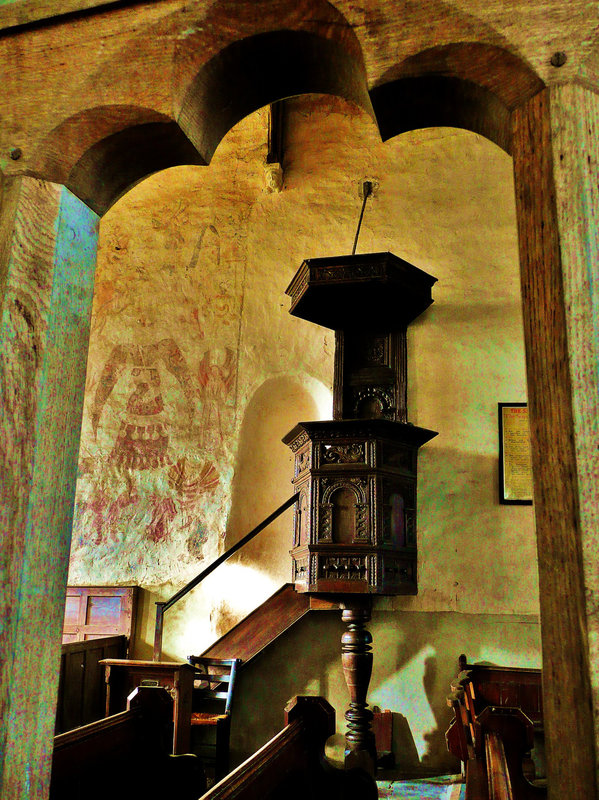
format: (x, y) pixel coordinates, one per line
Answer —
(276, 132)
(555, 168)
(48, 272)
(20, 14)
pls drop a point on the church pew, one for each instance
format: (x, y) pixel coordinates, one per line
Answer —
(491, 735)
(125, 755)
(292, 764)
(518, 687)
(507, 734)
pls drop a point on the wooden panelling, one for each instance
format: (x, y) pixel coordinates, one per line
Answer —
(93, 612)
(82, 688)
(291, 764)
(125, 755)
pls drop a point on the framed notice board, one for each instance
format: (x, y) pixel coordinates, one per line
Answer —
(515, 468)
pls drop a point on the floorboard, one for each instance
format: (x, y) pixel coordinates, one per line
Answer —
(442, 788)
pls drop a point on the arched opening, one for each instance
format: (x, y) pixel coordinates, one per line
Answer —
(288, 49)
(479, 98)
(468, 85)
(191, 234)
(343, 515)
(100, 153)
(262, 69)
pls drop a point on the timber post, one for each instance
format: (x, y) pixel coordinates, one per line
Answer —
(556, 172)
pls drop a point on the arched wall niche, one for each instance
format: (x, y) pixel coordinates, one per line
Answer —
(274, 408)
(466, 85)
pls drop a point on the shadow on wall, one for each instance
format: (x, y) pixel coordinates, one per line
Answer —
(301, 661)
(262, 482)
(415, 659)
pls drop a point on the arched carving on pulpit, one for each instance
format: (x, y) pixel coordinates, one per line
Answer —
(343, 517)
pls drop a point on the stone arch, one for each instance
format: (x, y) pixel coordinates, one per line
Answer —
(463, 85)
(290, 49)
(101, 152)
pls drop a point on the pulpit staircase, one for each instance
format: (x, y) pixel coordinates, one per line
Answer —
(263, 625)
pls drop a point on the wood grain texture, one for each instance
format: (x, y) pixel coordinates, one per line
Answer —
(44, 330)
(101, 59)
(26, 12)
(554, 392)
(262, 626)
(575, 133)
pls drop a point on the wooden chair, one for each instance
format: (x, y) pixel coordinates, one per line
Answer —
(212, 702)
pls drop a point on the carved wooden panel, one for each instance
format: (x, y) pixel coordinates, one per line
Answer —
(360, 467)
(355, 527)
(371, 375)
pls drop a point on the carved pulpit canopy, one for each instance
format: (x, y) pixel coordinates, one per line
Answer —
(355, 524)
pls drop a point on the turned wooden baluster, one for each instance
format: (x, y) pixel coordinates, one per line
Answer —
(360, 749)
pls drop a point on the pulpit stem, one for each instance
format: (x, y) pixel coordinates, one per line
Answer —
(356, 658)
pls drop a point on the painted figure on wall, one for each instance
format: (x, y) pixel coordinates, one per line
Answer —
(217, 379)
(143, 437)
(156, 460)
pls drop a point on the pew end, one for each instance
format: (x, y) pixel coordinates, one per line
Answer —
(125, 755)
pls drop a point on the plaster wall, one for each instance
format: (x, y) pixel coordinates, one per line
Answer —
(415, 655)
(196, 370)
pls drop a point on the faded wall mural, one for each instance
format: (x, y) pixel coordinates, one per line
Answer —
(156, 460)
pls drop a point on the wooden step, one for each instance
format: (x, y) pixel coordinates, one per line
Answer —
(250, 636)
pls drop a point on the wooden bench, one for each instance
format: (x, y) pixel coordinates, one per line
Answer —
(124, 675)
(292, 764)
(496, 713)
(125, 755)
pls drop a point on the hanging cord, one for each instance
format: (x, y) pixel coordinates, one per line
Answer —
(367, 190)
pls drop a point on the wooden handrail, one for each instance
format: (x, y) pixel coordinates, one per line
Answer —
(162, 606)
(498, 775)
